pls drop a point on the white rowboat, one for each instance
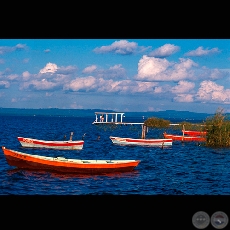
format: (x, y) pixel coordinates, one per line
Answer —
(65, 145)
(141, 142)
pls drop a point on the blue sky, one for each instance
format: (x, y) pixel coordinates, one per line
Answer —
(126, 75)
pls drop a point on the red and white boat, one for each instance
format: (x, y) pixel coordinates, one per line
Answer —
(61, 164)
(142, 142)
(65, 145)
(184, 138)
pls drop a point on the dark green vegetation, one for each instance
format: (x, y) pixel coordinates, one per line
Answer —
(155, 122)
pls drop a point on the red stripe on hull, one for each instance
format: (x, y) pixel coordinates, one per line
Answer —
(57, 144)
(28, 142)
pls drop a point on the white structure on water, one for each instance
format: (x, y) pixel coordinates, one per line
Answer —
(111, 118)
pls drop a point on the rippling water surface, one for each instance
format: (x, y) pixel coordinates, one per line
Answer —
(181, 169)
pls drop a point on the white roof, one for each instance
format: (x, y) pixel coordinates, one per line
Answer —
(109, 113)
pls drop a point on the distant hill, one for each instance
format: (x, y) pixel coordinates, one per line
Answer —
(50, 112)
(171, 115)
(168, 114)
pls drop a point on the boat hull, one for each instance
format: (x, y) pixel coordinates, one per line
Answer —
(141, 142)
(60, 164)
(65, 145)
(184, 138)
(194, 133)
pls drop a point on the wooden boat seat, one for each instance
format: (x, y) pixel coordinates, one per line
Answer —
(61, 159)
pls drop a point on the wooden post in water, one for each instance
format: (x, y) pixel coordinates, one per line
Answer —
(71, 136)
(144, 129)
(183, 133)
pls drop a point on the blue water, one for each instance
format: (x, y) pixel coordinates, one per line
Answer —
(182, 169)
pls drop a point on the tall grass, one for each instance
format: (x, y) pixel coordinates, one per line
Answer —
(218, 127)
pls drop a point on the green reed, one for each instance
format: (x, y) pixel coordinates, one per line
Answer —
(218, 127)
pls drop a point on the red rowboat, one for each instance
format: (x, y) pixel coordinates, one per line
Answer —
(61, 164)
(142, 142)
(194, 133)
(184, 138)
(65, 145)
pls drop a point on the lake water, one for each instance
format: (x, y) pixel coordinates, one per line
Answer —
(181, 169)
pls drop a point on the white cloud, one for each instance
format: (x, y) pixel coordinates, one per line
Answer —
(12, 77)
(200, 51)
(82, 83)
(25, 60)
(123, 47)
(131, 87)
(20, 46)
(152, 109)
(26, 76)
(9, 49)
(158, 69)
(39, 85)
(48, 94)
(114, 72)
(149, 67)
(183, 87)
(184, 98)
(209, 91)
(164, 51)
(47, 50)
(158, 89)
(65, 69)
(4, 84)
(76, 106)
(89, 69)
(49, 68)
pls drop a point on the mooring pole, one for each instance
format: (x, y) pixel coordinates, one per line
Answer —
(71, 136)
(144, 128)
(183, 133)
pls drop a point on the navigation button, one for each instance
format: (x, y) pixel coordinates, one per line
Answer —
(219, 220)
(201, 220)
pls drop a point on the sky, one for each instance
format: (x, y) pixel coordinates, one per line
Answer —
(124, 75)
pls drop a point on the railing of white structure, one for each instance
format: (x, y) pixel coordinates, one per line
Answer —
(111, 118)
(115, 118)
